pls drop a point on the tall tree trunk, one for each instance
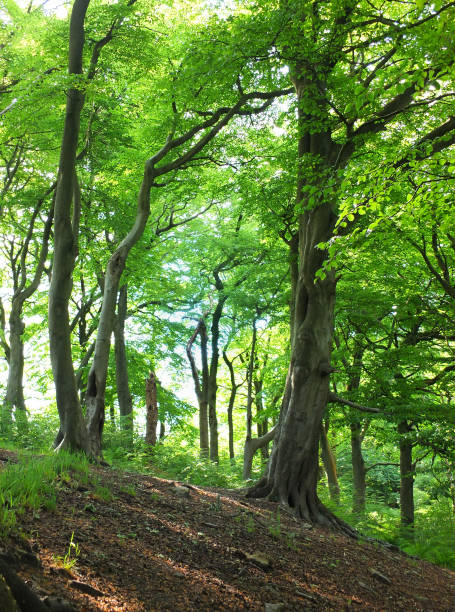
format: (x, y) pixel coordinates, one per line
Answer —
(230, 409)
(213, 373)
(201, 389)
(14, 391)
(247, 449)
(328, 459)
(292, 471)
(406, 477)
(96, 384)
(357, 434)
(358, 469)
(125, 400)
(261, 420)
(23, 290)
(65, 250)
(152, 410)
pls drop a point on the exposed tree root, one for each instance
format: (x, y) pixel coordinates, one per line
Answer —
(310, 510)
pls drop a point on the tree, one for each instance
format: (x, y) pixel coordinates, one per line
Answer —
(188, 135)
(332, 51)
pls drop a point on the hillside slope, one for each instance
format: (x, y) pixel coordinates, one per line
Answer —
(141, 543)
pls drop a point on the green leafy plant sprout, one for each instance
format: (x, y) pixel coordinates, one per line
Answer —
(69, 560)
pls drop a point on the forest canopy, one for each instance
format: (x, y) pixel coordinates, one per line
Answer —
(227, 226)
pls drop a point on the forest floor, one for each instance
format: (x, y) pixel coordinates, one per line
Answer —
(143, 543)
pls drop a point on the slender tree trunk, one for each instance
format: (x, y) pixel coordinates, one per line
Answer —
(201, 389)
(261, 420)
(125, 400)
(249, 450)
(213, 373)
(23, 290)
(152, 410)
(358, 470)
(96, 384)
(65, 250)
(162, 430)
(14, 391)
(328, 459)
(406, 477)
(230, 409)
(357, 433)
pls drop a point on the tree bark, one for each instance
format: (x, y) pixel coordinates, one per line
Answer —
(14, 391)
(250, 448)
(213, 372)
(201, 389)
(65, 250)
(292, 471)
(261, 420)
(230, 409)
(152, 410)
(406, 477)
(328, 459)
(358, 470)
(23, 290)
(249, 378)
(125, 399)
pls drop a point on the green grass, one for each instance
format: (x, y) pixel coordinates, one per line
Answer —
(33, 483)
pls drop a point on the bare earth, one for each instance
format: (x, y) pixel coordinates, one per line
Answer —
(158, 545)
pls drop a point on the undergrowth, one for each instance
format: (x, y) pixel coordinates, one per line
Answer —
(33, 483)
(433, 535)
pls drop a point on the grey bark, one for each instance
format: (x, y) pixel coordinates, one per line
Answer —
(65, 251)
(125, 399)
(406, 477)
(250, 448)
(328, 459)
(23, 290)
(232, 396)
(151, 400)
(213, 373)
(358, 469)
(201, 389)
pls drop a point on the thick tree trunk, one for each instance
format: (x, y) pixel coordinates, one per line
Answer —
(358, 470)
(406, 477)
(125, 400)
(152, 410)
(328, 459)
(292, 471)
(65, 250)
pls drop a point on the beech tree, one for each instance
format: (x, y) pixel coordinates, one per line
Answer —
(362, 74)
(189, 131)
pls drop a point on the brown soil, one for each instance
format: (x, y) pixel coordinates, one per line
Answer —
(157, 545)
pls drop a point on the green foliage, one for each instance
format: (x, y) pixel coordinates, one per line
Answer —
(36, 436)
(33, 483)
(69, 560)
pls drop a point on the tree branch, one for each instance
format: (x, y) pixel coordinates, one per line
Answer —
(336, 399)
